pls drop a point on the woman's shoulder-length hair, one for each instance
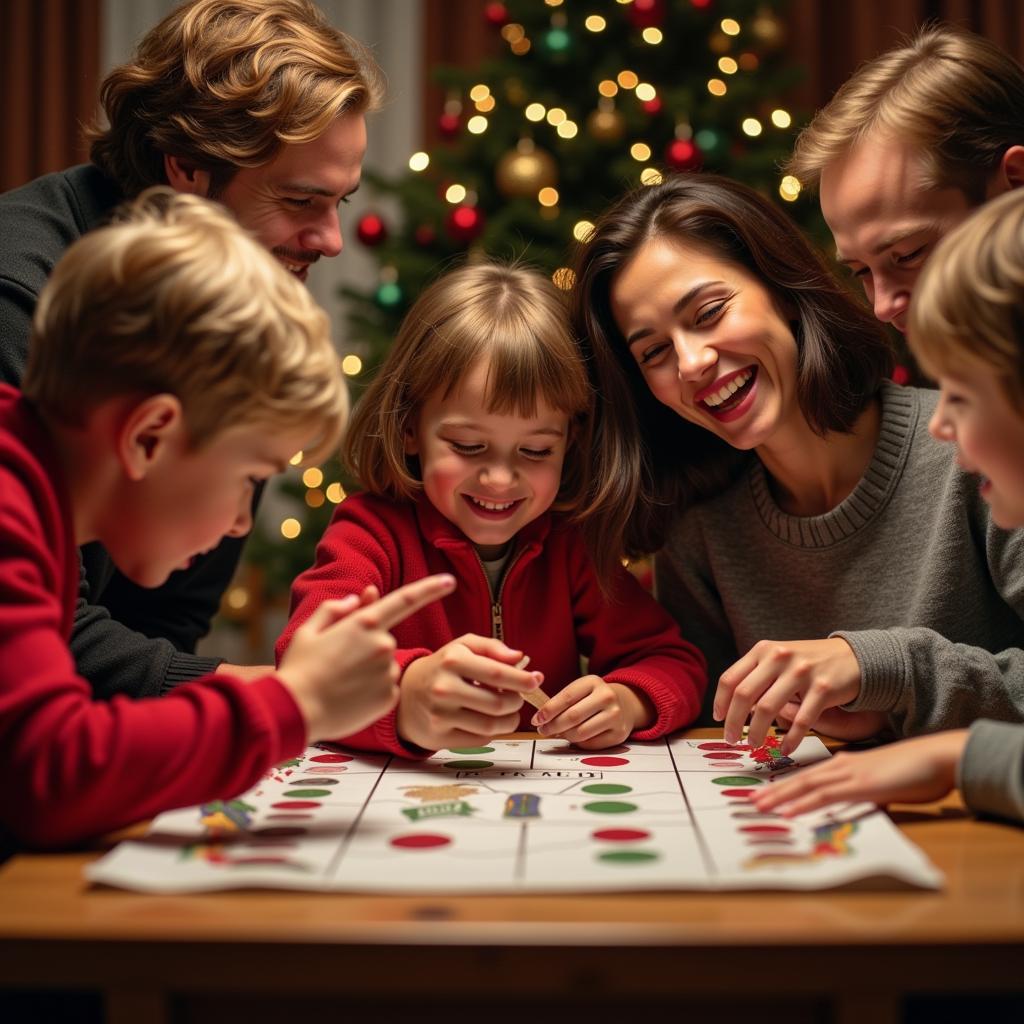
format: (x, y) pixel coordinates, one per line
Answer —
(649, 463)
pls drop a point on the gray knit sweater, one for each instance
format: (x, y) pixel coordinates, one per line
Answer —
(908, 569)
(991, 773)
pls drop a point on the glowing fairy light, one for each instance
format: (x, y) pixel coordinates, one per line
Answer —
(789, 188)
(582, 230)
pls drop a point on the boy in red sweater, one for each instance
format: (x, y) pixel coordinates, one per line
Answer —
(174, 365)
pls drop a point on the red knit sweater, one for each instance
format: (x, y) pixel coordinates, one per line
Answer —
(74, 767)
(549, 605)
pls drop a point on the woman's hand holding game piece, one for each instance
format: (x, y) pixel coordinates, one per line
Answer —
(810, 676)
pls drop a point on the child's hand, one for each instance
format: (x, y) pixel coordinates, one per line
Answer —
(441, 705)
(912, 771)
(340, 666)
(816, 674)
(592, 714)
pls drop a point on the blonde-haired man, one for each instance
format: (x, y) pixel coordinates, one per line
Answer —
(906, 149)
(259, 104)
(205, 368)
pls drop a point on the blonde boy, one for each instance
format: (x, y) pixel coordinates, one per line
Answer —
(174, 365)
(967, 330)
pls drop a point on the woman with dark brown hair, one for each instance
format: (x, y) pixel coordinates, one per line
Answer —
(836, 568)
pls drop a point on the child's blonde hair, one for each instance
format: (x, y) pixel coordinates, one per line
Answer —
(509, 317)
(968, 306)
(957, 98)
(175, 297)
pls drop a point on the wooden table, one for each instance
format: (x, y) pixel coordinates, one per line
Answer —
(269, 956)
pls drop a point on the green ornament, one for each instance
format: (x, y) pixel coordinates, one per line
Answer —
(708, 140)
(557, 42)
(388, 295)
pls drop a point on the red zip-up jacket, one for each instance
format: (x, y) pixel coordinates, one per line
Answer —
(548, 605)
(75, 767)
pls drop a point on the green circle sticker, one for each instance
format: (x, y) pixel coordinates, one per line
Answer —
(737, 780)
(308, 792)
(469, 765)
(628, 857)
(609, 807)
(606, 788)
(472, 750)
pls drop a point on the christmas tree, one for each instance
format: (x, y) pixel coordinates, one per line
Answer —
(583, 100)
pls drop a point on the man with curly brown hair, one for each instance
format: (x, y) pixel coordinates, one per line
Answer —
(259, 104)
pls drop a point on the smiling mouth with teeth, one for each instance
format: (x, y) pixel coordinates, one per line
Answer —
(737, 386)
(298, 269)
(493, 506)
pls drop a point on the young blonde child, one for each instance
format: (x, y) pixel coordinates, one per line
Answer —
(174, 365)
(967, 330)
(471, 443)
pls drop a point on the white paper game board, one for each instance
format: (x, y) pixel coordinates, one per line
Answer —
(514, 816)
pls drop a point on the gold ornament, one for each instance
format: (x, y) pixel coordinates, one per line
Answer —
(606, 124)
(525, 170)
(768, 30)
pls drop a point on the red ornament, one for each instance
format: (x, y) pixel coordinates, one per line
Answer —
(425, 236)
(652, 106)
(700, 4)
(464, 223)
(683, 155)
(448, 125)
(371, 230)
(647, 13)
(496, 14)
(900, 375)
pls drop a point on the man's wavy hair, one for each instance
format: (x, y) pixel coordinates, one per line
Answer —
(648, 463)
(224, 84)
(957, 98)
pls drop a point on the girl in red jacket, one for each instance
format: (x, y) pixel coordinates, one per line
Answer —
(472, 443)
